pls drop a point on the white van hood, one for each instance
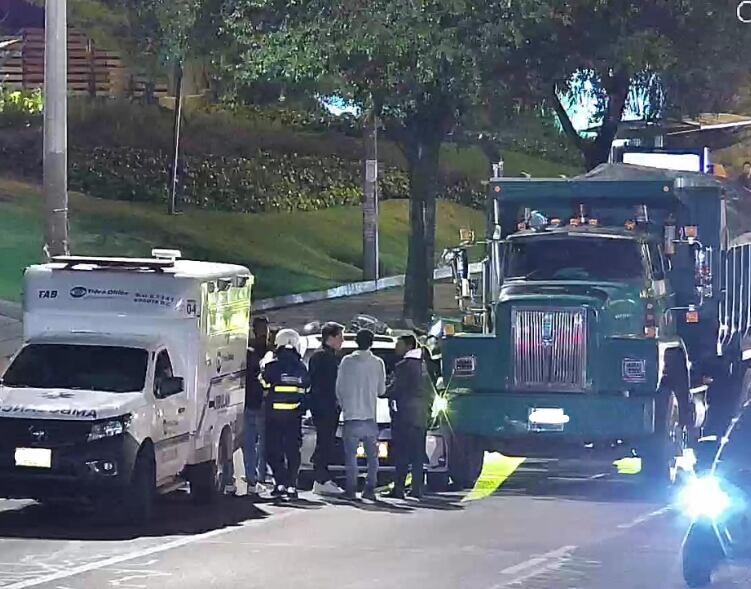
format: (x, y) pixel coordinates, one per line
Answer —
(66, 404)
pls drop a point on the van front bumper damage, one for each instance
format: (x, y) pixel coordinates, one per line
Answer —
(69, 467)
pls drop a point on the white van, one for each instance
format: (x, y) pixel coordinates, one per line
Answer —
(130, 381)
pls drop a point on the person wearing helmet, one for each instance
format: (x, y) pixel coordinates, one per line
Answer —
(285, 381)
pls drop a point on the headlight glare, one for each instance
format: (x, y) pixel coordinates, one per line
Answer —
(704, 497)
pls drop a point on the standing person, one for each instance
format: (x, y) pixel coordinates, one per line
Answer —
(744, 179)
(285, 380)
(323, 366)
(411, 399)
(361, 380)
(253, 440)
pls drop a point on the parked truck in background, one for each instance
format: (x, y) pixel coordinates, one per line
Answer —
(612, 319)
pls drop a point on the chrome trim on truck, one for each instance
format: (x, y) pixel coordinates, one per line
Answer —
(549, 348)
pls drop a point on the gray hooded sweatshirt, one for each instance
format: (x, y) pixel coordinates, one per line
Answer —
(361, 380)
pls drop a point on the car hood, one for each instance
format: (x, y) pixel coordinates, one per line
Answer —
(66, 404)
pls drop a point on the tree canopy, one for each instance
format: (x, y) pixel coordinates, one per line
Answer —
(422, 66)
(683, 54)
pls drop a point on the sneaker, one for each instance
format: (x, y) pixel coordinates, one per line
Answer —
(415, 494)
(369, 494)
(260, 488)
(327, 488)
(230, 489)
(394, 494)
(350, 495)
(279, 491)
(291, 492)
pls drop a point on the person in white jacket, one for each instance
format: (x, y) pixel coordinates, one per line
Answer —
(361, 380)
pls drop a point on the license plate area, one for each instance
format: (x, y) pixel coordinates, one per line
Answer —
(547, 419)
(33, 457)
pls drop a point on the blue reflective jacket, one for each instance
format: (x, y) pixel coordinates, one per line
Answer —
(285, 381)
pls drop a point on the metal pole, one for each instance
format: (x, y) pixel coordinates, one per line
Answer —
(370, 202)
(55, 157)
(172, 207)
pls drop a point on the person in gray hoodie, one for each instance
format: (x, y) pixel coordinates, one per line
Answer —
(361, 380)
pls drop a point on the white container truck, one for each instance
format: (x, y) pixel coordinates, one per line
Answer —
(130, 381)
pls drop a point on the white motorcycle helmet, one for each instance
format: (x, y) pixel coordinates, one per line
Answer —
(289, 338)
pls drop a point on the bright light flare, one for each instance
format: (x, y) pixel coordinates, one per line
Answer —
(440, 405)
(704, 497)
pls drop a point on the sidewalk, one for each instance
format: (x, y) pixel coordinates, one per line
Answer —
(386, 305)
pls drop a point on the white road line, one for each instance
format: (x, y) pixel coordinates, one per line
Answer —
(645, 518)
(178, 543)
(535, 566)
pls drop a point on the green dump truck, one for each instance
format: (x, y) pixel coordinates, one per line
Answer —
(612, 319)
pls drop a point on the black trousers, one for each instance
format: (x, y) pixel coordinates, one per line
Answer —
(283, 441)
(326, 423)
(409, 446)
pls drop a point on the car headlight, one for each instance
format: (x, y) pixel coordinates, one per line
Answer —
(109, 428)
(704, 497)
(440, 405)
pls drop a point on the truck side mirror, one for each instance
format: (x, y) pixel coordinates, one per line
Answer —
(171, 386)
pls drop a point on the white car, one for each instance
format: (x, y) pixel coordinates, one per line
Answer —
(384, 346)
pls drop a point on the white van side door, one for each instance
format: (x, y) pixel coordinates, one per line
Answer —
(172, 435)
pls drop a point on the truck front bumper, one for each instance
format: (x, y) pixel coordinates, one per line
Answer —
(87, 471)
(551, 424)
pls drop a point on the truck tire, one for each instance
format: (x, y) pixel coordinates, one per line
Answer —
(438, 481)
(207, 479)
(659, 452)
(465, 459)
(140, 496)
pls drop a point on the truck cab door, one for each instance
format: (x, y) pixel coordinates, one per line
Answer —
(171, 419)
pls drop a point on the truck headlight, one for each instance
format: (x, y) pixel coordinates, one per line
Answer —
(109, 428)
(704, 497)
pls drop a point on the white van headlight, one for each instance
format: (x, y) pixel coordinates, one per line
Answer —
(109, 428)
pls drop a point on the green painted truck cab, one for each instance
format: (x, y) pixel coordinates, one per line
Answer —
(613, 307)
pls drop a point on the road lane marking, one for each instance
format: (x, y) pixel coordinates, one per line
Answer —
(536, 566)
(178, 543)
(496, 469)
(645, 518)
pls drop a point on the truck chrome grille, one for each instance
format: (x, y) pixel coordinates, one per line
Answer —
(550, 348)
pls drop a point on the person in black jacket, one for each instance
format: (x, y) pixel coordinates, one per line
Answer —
(285, 381)
(410, 399)
(323, 367)
(253, 438)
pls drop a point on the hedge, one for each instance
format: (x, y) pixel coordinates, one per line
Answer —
(265, 183)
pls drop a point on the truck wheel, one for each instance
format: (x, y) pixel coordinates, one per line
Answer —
(727, 397)
(465, 460)
(438, 481)
(139, 500)
(207, 479)
(658, 456)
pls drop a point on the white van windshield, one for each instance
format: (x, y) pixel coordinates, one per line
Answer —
(63, 366)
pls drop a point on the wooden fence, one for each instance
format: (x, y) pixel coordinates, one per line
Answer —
(91, 71)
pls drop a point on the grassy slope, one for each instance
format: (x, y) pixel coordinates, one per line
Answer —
(288, 253)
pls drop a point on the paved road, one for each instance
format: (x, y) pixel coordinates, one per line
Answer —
(539, 530)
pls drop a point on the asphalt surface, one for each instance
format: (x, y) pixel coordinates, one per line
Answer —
(538, 530)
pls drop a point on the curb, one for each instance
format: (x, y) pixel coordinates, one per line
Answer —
(15, 311)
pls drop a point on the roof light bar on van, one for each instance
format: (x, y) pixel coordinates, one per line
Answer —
(166, 254)
(71, 262)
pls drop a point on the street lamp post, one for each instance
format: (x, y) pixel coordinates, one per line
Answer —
(55, 157)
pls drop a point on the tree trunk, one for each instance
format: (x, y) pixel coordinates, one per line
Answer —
(422, 162)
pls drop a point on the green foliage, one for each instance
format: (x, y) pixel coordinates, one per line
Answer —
(20, 108)
(288, 253)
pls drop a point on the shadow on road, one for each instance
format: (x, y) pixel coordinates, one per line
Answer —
(175, 515)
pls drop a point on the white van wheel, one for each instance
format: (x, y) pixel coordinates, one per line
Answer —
(206, 480)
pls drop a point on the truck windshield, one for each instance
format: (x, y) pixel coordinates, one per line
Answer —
(62, 366)
(573, 258)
